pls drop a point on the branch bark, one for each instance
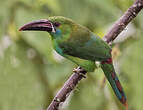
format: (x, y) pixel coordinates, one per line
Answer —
(79, 72)
(69, 85)
(127, 17)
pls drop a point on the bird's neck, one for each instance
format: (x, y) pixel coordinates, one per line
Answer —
(57, 34)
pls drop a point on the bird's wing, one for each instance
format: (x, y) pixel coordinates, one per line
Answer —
(94, 49)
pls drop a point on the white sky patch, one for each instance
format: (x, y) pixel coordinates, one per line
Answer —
(4, 44)
(127, 32)
(57, 57)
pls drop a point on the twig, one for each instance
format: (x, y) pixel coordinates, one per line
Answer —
(117, 28)
(120, 25)
(69, 85)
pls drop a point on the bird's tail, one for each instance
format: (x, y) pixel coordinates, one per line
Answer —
(110, 74)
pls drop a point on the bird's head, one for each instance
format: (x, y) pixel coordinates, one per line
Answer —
(56, 26)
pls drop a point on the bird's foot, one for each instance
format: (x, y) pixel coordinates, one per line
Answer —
(80, 71)
(83, 75)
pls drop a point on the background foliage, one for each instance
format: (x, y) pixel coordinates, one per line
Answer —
(31, 72)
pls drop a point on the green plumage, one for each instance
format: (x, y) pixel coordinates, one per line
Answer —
(78, 44)
(83, 47)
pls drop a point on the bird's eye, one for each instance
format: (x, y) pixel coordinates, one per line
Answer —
(57, 24)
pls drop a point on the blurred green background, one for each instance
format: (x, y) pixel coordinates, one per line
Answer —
(31, 72)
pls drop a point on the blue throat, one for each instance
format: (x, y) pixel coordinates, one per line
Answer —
(57, 33)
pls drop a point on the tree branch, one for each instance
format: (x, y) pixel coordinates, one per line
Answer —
(79, 72)
(69, 85)
(120, 25)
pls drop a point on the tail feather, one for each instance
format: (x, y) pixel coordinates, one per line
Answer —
(110, 74)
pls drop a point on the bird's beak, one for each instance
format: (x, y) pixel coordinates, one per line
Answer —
(40, 25)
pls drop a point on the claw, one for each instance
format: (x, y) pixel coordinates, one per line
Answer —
(80, 71)
(82, 74)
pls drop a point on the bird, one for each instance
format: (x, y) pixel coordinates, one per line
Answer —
(80, 45)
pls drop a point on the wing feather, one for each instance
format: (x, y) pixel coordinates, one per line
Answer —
(94, 48)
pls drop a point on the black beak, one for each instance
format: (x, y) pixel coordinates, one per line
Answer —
(40, 25)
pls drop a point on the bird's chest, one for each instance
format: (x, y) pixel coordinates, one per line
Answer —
(63, 47)
(71, 44)
(57, 48)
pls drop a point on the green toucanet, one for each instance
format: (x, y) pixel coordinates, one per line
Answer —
(80, 45)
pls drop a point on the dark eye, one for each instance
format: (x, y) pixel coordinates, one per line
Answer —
(57, 24)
